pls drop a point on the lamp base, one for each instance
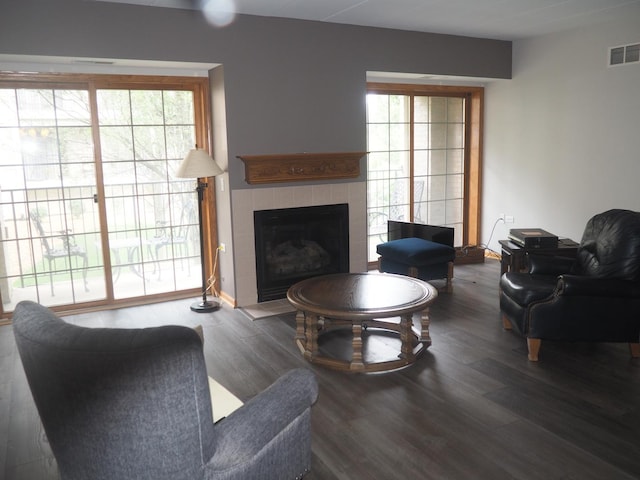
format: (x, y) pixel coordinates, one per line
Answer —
(205, 306)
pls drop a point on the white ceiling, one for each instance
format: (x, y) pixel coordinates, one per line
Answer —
(499, 19)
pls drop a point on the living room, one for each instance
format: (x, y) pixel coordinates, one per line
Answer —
(558, 126)
(560, 129)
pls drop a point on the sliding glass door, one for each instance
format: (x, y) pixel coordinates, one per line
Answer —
(90, 209)
(50, 223)
(151, 216)
(424, 159)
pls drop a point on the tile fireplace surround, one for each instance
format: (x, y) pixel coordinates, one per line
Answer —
(244, 202)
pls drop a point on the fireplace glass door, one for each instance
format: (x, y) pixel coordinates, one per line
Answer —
(293, 244)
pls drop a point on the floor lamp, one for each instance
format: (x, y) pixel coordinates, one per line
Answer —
(200, 165)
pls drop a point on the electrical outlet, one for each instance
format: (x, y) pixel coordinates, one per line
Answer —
(222, 247)
(508, 219)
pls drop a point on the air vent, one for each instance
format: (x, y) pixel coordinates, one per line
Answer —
(624, 54)
(93, 62)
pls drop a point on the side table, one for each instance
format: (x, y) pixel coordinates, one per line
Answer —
(514, 256)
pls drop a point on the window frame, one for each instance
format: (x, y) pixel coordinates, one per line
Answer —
(474, 115)
(202, 122)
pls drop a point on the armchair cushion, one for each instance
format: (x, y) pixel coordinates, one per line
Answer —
(578, 285)
(549, 264)
(523, 288)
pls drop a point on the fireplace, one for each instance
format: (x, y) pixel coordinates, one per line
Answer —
(293, 244)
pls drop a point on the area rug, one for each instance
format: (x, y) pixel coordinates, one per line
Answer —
(223, 402)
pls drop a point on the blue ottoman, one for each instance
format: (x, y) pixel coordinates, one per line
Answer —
(419, 258)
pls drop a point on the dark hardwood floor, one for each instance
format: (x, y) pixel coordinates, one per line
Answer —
(473, 407)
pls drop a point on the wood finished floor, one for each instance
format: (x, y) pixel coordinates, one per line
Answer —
(472, 407)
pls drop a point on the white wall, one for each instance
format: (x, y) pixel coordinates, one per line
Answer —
(562, 138)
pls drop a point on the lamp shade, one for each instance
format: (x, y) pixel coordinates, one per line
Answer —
(198, 164)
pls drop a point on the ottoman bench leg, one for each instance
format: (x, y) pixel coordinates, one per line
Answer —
(448, 288)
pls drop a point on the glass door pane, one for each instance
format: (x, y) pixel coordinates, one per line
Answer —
(152, 217)
(416, 162)
(388, 166)
(50, 235)
(438, 162)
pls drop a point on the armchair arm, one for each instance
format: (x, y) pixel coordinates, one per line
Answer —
(242, 435)
(549, 264)
(577, 285)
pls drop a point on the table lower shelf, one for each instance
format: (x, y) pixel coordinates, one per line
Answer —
(368, 346)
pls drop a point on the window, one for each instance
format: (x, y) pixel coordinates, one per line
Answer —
(90, 208)
(424, 159)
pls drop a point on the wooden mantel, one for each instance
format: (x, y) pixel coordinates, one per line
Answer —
(298, 167)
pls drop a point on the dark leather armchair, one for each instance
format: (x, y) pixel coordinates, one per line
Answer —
(592, 298)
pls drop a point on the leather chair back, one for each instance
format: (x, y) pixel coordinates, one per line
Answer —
(610, 246)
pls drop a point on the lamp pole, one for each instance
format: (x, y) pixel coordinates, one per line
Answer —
(205, 305)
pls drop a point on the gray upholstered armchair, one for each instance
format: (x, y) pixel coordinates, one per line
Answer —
(135, 404)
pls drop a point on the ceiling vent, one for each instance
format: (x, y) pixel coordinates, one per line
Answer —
(624, 54)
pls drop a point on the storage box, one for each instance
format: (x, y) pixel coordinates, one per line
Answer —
(467, 255)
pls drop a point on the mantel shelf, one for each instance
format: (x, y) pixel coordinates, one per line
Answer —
(298, 167)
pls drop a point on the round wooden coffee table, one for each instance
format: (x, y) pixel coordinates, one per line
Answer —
(362, 300)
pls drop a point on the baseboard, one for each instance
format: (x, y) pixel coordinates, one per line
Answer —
(228, 299)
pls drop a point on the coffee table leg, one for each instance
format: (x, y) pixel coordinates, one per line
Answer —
(311, 332)
(301, 339)
(406, 337)
(356, 359)
(424, 325)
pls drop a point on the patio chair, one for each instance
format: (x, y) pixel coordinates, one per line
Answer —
(65, 253)
(176, 238)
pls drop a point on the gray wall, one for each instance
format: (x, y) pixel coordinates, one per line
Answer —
(290, 85)
(562, 138)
